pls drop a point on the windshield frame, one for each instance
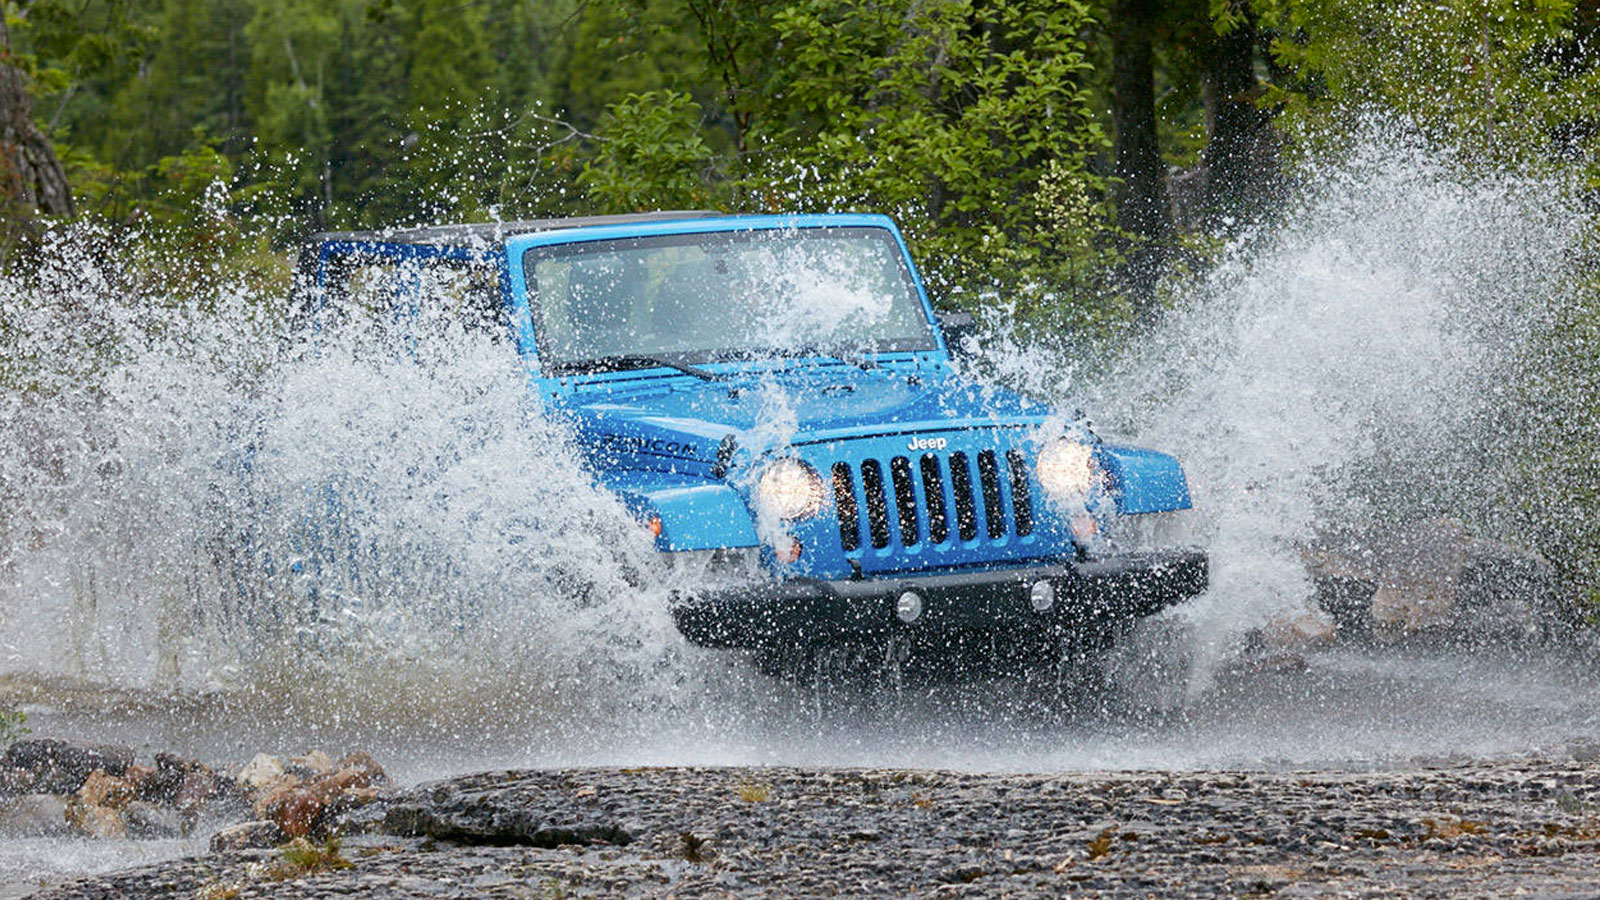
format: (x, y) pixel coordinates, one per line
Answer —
(525, 252)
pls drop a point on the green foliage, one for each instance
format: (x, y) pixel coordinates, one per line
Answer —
(13, 726)
(652, 156)
(971, 123)
(300, 857)
(1505, 80)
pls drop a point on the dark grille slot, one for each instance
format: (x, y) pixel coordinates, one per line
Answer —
(961, 486)
(905, 499)
(1021, 495)
(933, 489)
(877, 502)
(844, 496)
(994, 513)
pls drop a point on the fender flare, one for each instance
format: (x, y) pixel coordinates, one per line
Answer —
(1145, 481)
(695, 513)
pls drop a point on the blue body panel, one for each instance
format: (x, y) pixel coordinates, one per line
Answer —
(696, 513)
(1146, 481)
(898, 440)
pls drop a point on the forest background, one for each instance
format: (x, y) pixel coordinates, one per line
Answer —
(1067, 159)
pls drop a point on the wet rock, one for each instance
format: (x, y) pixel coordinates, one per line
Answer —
(273, 796)
(260, 773)
(368, 772)
(193, 789)
(247, 836)
(61, 767)
(163, 784)
(298, 811)
(1432, 576)
(312, 764)
(96, 821)
(509, 814)
(34, 815)
(147, 820)
(139, 776)
(17, 781)
(305, 805)
(1290, 635)
(100, 789)
(1465, 828)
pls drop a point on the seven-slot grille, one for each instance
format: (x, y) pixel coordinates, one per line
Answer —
(934, 497)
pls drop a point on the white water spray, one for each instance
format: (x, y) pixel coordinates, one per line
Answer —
(161, 460)
(1361, 364)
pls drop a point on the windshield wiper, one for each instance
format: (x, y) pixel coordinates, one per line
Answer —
(623, 362)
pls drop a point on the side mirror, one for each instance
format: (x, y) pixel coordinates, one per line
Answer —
(957, 326)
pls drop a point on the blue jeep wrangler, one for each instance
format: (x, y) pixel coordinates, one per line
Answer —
(774, 399)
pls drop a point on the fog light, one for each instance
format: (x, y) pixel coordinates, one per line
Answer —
(1042, 596)
(908, 607)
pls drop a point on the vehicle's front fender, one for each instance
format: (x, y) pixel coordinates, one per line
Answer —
(695, 513)
(1146, 481)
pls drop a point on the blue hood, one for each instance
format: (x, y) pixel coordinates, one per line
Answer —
(679, 419)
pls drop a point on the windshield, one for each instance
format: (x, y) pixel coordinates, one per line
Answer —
(720, 295)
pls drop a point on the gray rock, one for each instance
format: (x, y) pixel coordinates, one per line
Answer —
(256, 835)
(61, 767)
(147, 820)
(34, 815)
(480, 810)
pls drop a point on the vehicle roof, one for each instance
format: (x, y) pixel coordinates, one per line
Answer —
(478, 234)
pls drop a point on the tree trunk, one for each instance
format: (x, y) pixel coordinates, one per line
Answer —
(30, 175)
(1142, 207)
(1241, 155)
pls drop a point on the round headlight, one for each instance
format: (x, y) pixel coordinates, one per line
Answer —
(1067, 468)
(791, 489)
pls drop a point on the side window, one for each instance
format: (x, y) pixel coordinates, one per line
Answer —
(381, 295)
(465, 291)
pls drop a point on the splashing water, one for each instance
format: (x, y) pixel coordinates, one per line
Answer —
(1364, 362)
(161, 461)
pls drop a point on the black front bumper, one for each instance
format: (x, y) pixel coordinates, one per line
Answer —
(1089, 594)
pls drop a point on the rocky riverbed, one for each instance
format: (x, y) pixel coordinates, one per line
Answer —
(1474, 829)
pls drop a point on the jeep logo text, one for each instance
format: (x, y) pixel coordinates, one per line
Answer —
(927, 444)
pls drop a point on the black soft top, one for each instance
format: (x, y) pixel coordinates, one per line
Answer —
(476, 235)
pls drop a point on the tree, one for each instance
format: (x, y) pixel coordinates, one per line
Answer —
(969, 121)
(1143, 209)
(652, 156)
(1241, 153)
(31, 176)
(1499, 79)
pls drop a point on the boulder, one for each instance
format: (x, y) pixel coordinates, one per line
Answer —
(192, 788)
(303, 805)
(299, 812)
(371, 774)
(312, 764)
(274, 796)
(171, 771)
(1431, 576)
(96, 821)
(254, 835)
(260, 773)
(34, 815)
(61, 767)
(17, 781)
(147, 820)
(100, 789)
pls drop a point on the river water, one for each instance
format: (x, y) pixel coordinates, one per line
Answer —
(1369, 359)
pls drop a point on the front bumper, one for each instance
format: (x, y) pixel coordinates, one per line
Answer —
(1090, 594)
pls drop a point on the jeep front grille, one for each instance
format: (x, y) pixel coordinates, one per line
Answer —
(916, 501)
